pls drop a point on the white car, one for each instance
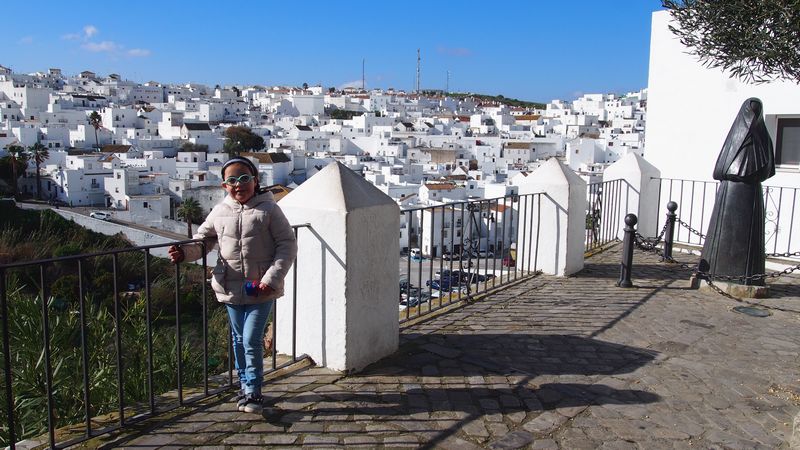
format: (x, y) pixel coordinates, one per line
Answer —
(101, 215)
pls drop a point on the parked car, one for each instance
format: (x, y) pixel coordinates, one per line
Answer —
(415, 254)
(447, 256)
(101, 215)
(415, 299)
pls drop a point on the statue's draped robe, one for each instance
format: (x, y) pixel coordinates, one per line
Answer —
(734, 244)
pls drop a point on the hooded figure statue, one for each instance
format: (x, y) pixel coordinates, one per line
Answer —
(734, 244)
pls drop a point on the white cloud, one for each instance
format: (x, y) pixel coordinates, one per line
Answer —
(89, 31)
(104, 46)
(350, 84)
(26, 40)
(138, 52)
(455, 51)
(71, 37)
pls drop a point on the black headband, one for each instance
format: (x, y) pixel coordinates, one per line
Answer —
(240, 160)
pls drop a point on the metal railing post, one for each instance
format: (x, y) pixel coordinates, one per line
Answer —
(627, 252)
(670, 230)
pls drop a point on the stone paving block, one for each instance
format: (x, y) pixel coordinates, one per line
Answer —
(545, 423)
(456, 443)
(516, 418)
(320, 441)
(362, 441)
(244, 439)
(475, 429)
(497, 429)
(347, 427)
(279, 439)
(618, 445)
(575, 438)
(513, 440)
(544, 444)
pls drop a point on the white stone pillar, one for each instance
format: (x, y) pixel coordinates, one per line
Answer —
(639, 193)
(553, 239)
(347, 271)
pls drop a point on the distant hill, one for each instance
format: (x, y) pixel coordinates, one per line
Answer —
(498, 99)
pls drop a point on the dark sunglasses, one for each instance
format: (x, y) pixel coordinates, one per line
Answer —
(241, 179)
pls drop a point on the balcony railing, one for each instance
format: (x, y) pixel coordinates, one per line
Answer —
(604, 211)
(696, 203)
(446, 262)
(94, 357)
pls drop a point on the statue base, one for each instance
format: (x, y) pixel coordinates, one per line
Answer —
(734, 289)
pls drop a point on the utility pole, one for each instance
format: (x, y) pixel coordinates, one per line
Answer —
(418, 60)
(363, 61)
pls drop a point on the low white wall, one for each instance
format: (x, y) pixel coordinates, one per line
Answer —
(135, 235)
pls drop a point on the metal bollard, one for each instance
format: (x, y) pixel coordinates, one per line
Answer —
(627, 252)
(669, 233)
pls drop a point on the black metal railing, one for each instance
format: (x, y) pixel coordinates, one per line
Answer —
(607, 203)
(95, 357)
(696, 199)
(458, 250)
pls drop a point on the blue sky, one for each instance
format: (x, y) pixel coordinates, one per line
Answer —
(532, 50)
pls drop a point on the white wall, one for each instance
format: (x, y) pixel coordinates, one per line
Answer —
(690, 109)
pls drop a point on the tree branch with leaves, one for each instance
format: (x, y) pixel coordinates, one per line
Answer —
(755, 40)
(191, 212)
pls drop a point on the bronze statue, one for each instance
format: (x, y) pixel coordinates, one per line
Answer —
(734, 244)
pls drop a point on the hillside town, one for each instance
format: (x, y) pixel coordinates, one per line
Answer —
(142, 149)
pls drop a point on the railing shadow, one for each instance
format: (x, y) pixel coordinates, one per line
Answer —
(428, 377)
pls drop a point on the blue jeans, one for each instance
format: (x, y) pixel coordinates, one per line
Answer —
(247, 332)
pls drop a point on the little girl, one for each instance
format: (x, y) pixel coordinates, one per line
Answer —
(256, 249)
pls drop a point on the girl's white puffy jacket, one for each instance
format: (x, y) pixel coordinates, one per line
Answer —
(255, 242)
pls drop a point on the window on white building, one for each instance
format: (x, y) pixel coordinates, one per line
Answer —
(787, 145)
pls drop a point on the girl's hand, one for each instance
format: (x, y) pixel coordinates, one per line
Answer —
(264, 288)
(175, 253)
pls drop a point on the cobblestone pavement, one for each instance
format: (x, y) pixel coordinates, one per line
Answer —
(550, 363)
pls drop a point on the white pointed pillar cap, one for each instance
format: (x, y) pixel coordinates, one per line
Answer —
(559, 221)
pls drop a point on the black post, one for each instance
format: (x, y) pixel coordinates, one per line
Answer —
(627, 252)
(670, 230)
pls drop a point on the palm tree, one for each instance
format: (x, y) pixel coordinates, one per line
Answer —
(190, 211)
(39, 154)
(96, 121)
(17, 155)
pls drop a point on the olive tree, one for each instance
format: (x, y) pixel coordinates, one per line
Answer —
(755, 40)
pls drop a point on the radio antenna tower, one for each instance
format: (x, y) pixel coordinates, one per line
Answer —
(362, 73)
(447, 85)
(418, 60)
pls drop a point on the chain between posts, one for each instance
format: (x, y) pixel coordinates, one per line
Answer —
(689, 227)
(694, 269)
(646, 243)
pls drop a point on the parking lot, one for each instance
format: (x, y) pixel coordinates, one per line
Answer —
(426, 269)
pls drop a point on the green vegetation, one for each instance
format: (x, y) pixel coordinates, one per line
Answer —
(96, 121)
(191, 212)
(241, 139)
(497, 98)
(30, 235)
(39, 154)
(756, 40)
(11, 168)
(343, 114)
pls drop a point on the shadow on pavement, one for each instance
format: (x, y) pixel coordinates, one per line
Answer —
(509, 354)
